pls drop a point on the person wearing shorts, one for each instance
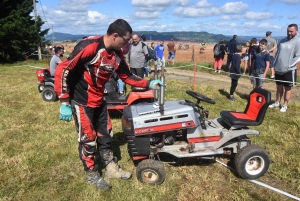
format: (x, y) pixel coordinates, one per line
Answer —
(285, 66)
(172, 50)
(261, 64)
(271, 47)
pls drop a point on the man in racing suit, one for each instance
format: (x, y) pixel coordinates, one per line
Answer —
(79, 83)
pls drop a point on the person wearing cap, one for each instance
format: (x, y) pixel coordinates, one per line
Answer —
(55, 60)
(172, 50)
(285, 66)
(271, 47)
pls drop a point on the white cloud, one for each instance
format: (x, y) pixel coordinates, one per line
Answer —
(294, 16)
(249, 24)
(183, 2)
(152, 3)
(232, 17)
(95, 17)
(191, 12)
(147, 15)
(234, 7)
(267, 25)
(75, 5)
(203, 3)
(258, 16)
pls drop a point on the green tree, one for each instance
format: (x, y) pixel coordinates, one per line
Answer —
(19, 33)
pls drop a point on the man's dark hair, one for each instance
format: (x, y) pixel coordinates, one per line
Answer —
(234, 37)
(57, 49)
(120, 27)
(238, 48)
(143, 37)
(263, 41)
(294, 25)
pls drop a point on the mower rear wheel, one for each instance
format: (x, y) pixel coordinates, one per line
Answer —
(252, 162)
(151, 172)
(49, 94)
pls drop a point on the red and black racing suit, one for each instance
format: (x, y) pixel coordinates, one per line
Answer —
(80, 80)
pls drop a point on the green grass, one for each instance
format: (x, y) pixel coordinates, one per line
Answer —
(39, 157)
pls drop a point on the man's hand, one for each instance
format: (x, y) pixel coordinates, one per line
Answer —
(65, 112)
(155, 84)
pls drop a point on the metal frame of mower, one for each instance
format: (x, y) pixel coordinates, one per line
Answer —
(113, 99)
(181, 128)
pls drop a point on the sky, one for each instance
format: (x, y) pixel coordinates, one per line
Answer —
(244, 18)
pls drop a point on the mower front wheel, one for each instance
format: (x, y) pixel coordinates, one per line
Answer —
(252, 162)
(49, 94)
(151, 172)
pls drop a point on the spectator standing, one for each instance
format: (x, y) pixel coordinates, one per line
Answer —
(235, 71)
(55, 60)
(143, 40)
(253, 49)
(285, 66)
(160, 55)
(137, 55)
(219, 53)
(261, 64)
(271, 47)
(152, 55)
(246, 57)
(172, 50)
(79, 83)
(230, 49)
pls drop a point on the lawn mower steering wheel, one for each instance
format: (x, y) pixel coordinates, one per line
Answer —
(200, 97)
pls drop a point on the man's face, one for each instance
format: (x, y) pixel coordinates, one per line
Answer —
(121, 40)
(262, 46)
(135, 39)
(291, 32)
(152, 45)
(161, 42)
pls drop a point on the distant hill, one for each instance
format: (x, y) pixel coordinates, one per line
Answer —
(58, 37)
(154, 35)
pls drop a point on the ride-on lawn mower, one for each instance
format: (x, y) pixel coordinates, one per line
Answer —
(112, 96)
(46, 84)
(181, 128)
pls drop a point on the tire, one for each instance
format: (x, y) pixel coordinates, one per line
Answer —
(41, 87)
(252, 162)
(49, 94)
(151, 172)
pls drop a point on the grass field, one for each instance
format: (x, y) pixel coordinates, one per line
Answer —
(39, 157)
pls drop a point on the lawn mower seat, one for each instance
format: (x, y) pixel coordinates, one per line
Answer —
(258, 102)
(48, 76)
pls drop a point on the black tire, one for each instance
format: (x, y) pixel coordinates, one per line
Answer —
(251, 162)
(151, 172)
(49, 94)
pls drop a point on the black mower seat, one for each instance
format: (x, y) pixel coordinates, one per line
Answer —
(258, 102)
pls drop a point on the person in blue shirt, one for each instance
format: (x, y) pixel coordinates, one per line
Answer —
(160, 55)
(261, 64)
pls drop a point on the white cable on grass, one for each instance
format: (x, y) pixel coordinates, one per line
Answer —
(264, 185)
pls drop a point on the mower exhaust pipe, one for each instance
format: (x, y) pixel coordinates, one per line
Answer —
(156, 78)
(162, 91)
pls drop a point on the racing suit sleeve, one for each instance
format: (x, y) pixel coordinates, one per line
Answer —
(129, 78)
(61, 85)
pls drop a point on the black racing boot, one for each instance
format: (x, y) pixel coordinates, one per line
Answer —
(94, 178)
